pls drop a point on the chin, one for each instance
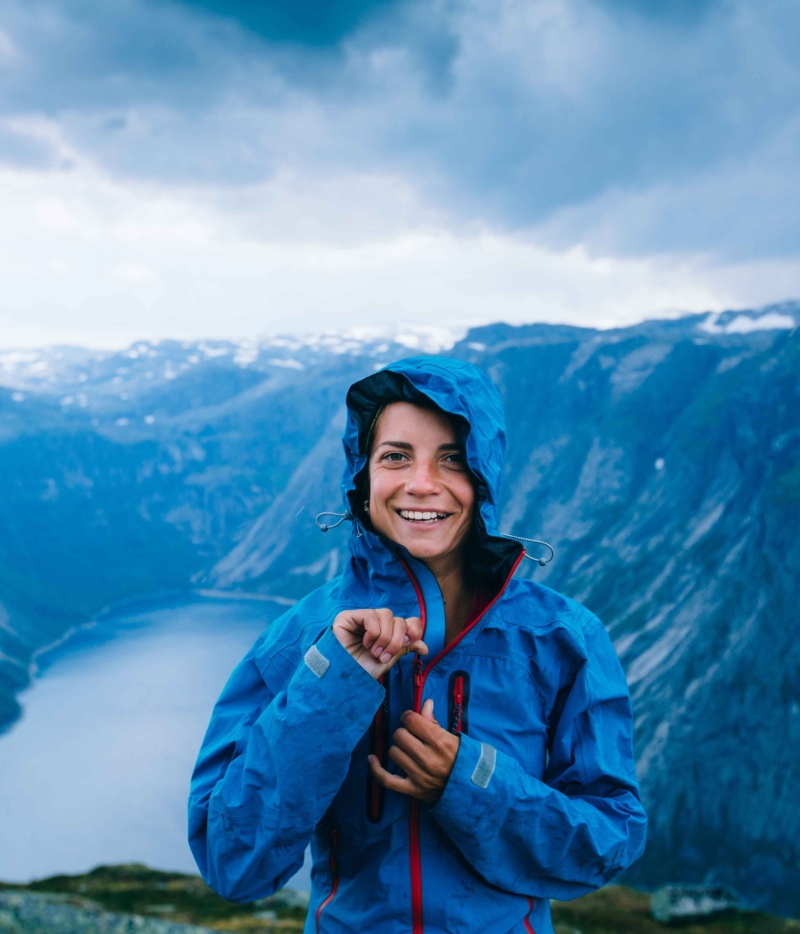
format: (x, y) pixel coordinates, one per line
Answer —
(422, 550)
(422, 544)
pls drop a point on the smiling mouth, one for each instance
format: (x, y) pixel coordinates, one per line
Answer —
(415, 515)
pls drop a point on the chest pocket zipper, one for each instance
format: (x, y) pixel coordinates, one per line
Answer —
(458, 706)
(333, 864)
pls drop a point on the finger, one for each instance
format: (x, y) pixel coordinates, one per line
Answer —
(418, 774)
(386, 618)
(351, 620)
(428, 731)
(423, 725)
(372, 626)
(412, 747)
(413, 629)
(392, 782)
(417, 647)
(395, 644)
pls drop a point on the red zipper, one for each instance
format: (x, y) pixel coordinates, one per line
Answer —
(458, 703)
(419, 684)
(413, 827)
(333, 864)
(528, 927)
(458, 699)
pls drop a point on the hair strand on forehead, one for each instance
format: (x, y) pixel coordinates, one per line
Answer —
(371, 430)
(423, 403)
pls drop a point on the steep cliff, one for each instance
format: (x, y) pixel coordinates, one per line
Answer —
(662, 461)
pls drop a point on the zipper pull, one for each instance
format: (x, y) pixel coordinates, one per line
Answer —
(458, 701)
(418, 672)
(457, 719)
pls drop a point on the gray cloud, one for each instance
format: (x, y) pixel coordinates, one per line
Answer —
(634, 127)
(314, 23)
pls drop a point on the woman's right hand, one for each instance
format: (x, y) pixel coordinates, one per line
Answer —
(377, 638)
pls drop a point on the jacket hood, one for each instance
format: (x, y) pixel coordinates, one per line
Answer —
(465, 392)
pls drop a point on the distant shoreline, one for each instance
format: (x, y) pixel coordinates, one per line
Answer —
(43, 657)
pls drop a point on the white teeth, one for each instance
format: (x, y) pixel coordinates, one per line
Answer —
(422, 516)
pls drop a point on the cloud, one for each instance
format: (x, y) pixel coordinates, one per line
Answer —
(317, 23)
(341, 145)
(131, 272)
(740, 208)
(8, 53)
(507, 112)
(86, 258)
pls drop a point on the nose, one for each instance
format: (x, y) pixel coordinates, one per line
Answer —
(423, 480)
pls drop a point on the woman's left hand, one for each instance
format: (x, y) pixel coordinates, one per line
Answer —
(424, 751)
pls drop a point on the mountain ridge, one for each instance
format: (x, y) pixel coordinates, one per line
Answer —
(662, 461)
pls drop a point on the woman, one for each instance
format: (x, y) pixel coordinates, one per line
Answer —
(454, 743)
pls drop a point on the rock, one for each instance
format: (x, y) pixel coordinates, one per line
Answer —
(285, 899)
(37, 913)
(682, 902)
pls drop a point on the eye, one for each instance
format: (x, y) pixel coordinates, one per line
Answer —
(394, 457)
(456, 459)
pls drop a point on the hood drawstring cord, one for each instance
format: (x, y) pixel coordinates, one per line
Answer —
(343, 516)
(534, 541)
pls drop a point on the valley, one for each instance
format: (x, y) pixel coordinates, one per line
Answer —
(662, 461)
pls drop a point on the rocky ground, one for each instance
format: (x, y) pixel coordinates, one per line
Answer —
(42, 913)
(618, 909)
(134, 899)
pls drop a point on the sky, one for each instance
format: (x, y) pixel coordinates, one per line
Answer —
(225, 168)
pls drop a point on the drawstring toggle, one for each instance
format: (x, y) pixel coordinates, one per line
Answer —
(323, 527)
(534, 541)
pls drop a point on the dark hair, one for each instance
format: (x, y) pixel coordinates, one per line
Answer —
(488, 559)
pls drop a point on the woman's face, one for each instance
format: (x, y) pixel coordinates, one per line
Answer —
(421, 495)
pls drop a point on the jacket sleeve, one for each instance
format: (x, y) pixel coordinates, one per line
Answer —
(574, 831)
(273, 758)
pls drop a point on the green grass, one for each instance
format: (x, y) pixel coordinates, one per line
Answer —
(136, 889)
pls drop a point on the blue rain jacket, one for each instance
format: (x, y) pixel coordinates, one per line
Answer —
(542, 801)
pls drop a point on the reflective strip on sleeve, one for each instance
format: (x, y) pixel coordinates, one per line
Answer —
(485, 767)
(317, 662)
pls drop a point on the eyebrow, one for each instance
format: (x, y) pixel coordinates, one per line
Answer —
(406, 446)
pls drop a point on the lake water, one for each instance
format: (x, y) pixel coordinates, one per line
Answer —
(97, 770)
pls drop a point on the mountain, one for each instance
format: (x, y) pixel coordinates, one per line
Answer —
(662, 461)
(131, 474)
